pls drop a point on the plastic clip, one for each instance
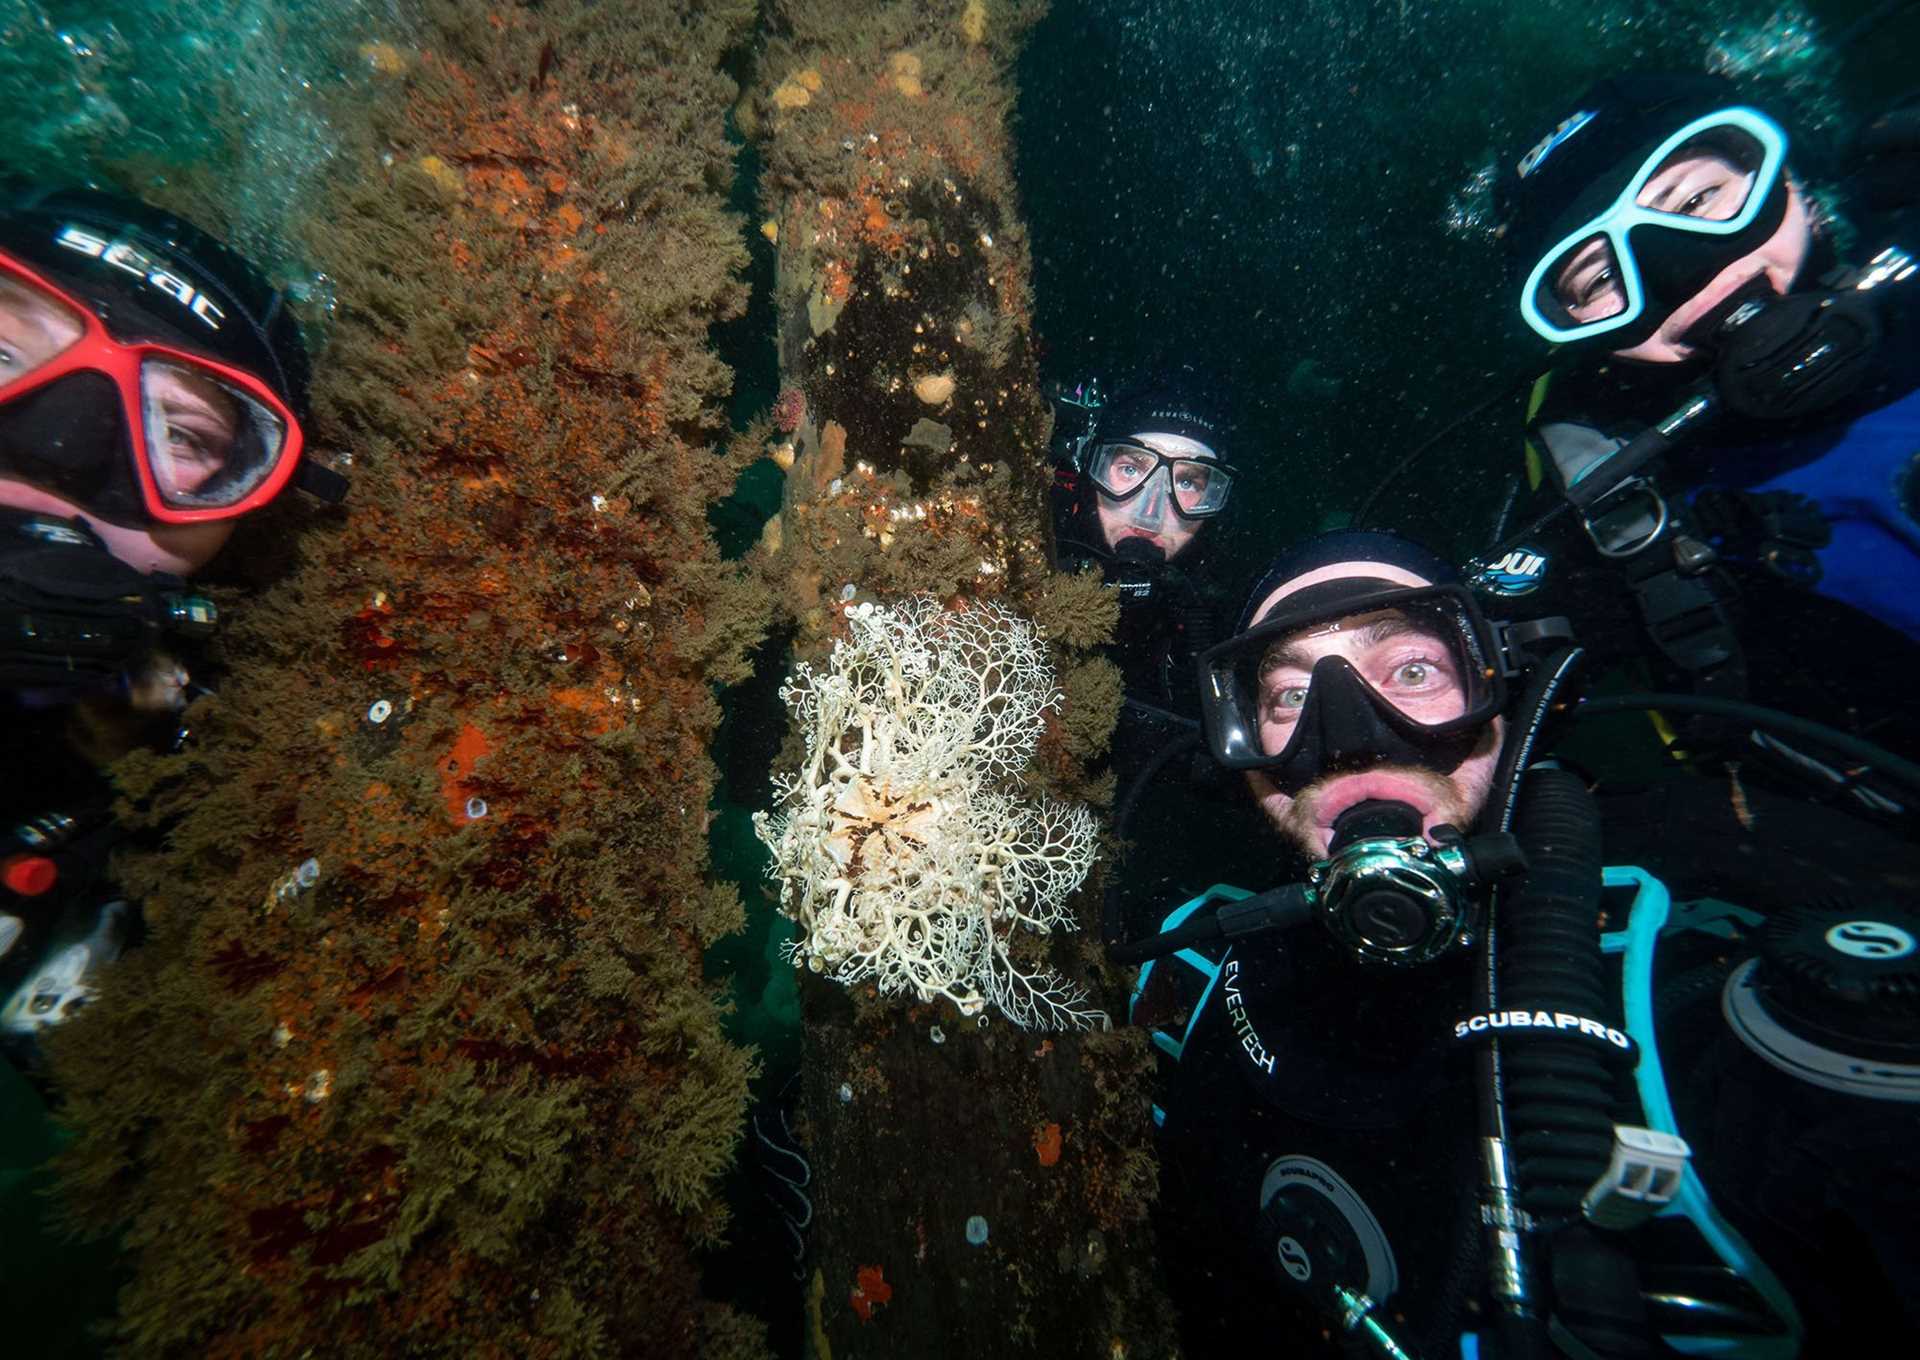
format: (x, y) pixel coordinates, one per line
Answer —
(1640, 1181)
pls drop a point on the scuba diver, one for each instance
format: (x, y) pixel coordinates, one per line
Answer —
(1459, 1087)
(1140, 483)
(152, 391)
(1728, 433)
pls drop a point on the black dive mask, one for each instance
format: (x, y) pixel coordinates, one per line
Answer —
(1352, 674)
(1346, 724)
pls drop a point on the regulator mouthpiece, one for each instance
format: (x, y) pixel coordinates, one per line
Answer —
(1392, 898)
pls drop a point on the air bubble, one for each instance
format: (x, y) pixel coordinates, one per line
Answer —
(977, 1231)
(380, 711)
(476, 809)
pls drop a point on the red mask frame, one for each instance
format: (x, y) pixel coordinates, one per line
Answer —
(96, 351)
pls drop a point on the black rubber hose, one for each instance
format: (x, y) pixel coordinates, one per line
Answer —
(1550, 679)
(1899, 770)
(1559, 1094)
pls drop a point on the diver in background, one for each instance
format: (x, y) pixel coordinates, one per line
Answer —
(1695, 1133)
(1140, 484)
(152, 388)
(1734, 411)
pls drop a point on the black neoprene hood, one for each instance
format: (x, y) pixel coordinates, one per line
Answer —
(256, 332)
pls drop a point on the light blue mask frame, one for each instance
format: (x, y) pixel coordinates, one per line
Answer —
(1625, 214)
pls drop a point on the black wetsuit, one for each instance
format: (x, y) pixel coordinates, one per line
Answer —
(1168, 616)
(1342, 1085)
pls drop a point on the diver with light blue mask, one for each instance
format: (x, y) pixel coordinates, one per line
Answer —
(1463, 1083)
(1726, 443)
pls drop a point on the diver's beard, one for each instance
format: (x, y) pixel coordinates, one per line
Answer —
(1455, 799)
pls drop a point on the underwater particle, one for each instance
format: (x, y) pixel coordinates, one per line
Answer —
(319, 1086)
(384, 58)
(282, 1036)
(476, 808)
(934, 389)
(976, 1231)
(599, 502)
(1312, 381)
(846, 1093)
(905, 70)
(937, 1035)
(308, 873)
(848, 591)
(789, 409)
(973, 21)
(833, 487)
(379, 711)
(771, 230)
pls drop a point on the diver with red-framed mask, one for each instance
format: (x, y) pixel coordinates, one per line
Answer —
(153, 388)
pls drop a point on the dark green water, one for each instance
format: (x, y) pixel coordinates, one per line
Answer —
(1283, 196)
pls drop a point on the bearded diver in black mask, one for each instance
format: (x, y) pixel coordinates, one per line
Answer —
(1461, 1084)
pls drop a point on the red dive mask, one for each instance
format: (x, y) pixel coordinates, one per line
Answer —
(100, 409)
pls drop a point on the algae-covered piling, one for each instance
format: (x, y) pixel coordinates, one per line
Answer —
(464, 1092)
(914, 436)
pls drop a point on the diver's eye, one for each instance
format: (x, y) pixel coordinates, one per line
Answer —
(1598, 287)
(1284, 704)
(1696, 206)
(6, 357)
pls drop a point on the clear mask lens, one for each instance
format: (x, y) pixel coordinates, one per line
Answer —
(210, 443)
(1415, 658)
(1197, 486)
(34, 328)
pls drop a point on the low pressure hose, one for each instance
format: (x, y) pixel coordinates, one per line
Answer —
(1518, 1320)
(1559, 1093)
